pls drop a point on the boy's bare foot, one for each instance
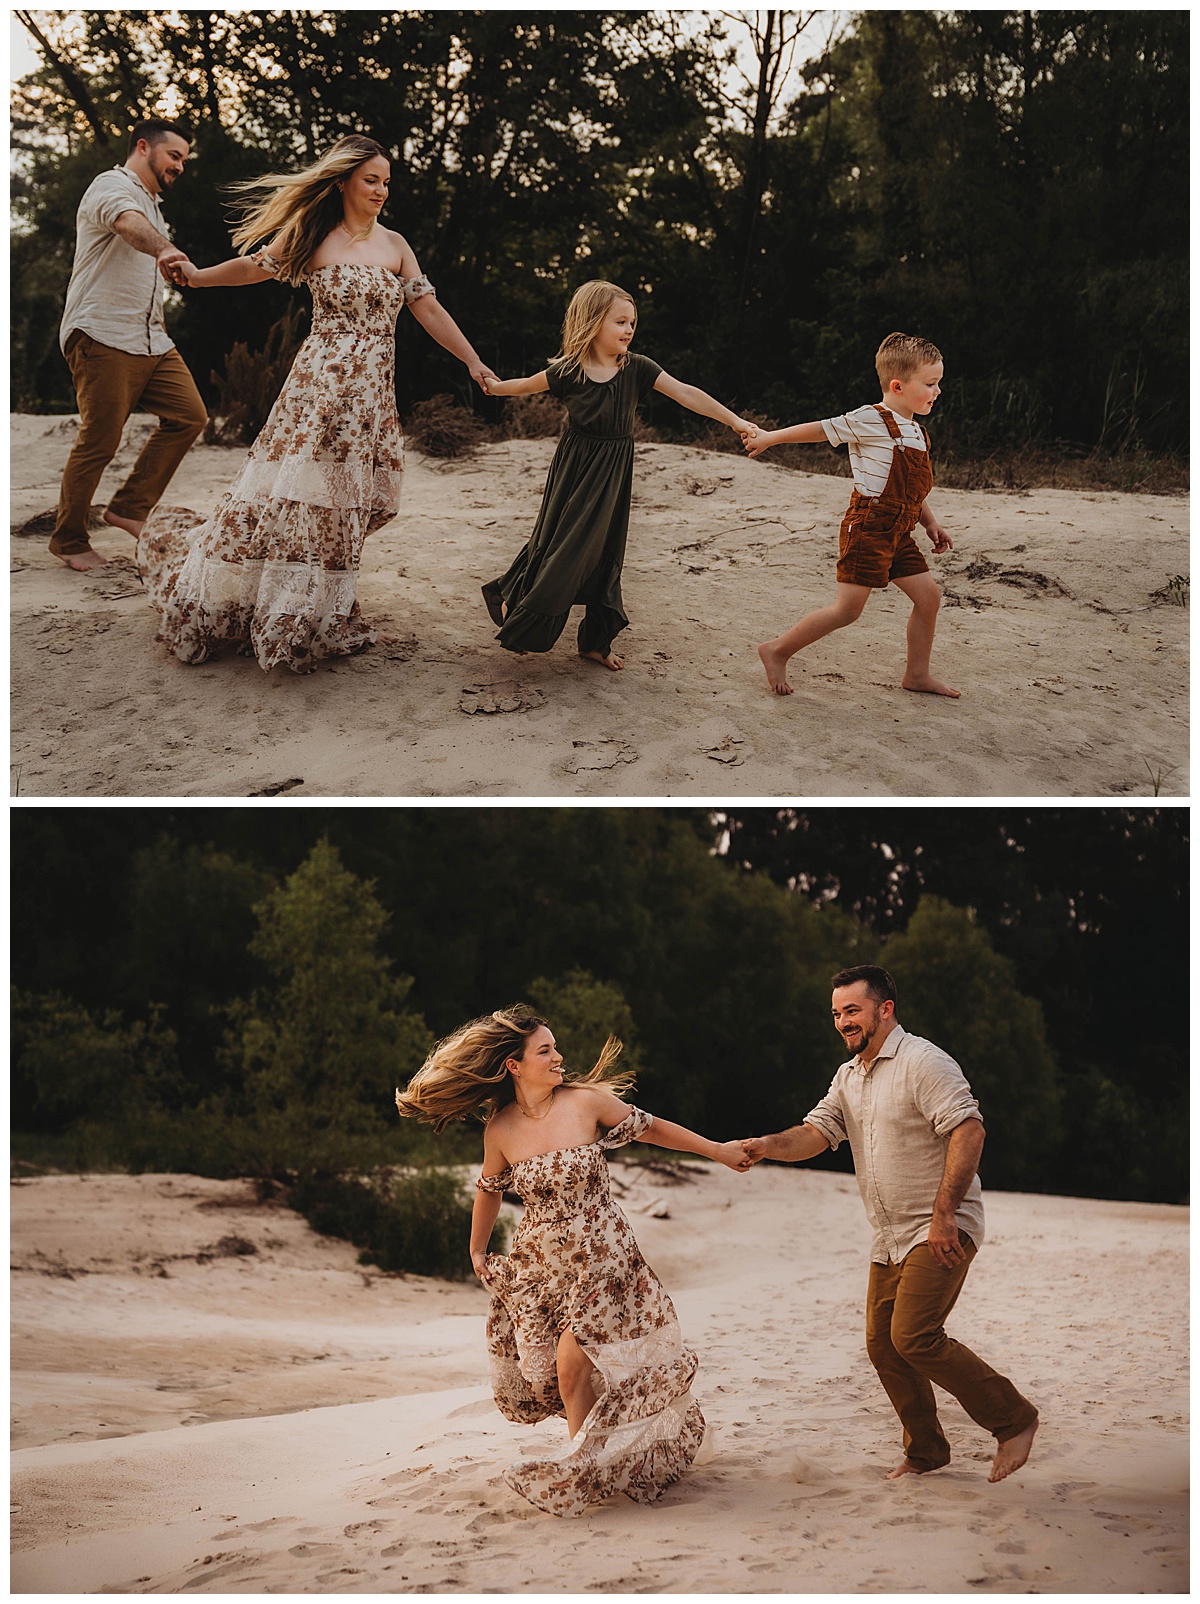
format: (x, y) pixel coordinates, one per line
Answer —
(1011, 1455)
(609, 659)
(926, 682)
(775, 664)
(131, 526)
(81, 561)
(904, 1469)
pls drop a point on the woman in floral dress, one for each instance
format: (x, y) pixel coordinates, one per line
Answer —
(275, 568)
(579, 1325)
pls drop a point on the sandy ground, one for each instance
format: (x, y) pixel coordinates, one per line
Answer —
(194, 1420)
(1074, 677)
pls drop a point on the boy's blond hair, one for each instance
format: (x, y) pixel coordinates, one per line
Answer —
(901, 355)
(589, 307)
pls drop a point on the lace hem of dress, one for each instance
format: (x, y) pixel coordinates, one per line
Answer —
(342, 485)
(641, 1436)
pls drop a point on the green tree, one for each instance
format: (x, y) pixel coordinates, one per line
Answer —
(317, 1051)
(188, 919)
(70, 1064)
(955, 989)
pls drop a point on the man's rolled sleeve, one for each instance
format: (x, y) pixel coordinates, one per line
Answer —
(105, 202)
(943, 1094)
(827, 1118)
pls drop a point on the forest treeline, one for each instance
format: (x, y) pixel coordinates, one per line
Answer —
(1012, 185)
(236, 992)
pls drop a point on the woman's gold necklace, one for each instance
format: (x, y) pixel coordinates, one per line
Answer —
(549, 1101)
(359, 237)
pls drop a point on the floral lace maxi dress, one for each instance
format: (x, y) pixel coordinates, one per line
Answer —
(275, 568)
(574, 1265)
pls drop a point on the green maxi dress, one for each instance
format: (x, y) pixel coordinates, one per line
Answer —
(575, 553)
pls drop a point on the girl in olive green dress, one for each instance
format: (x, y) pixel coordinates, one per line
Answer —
(575, 553)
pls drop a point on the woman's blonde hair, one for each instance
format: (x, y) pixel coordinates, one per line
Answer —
(300, 207)
(589, 307)
(467, 1072)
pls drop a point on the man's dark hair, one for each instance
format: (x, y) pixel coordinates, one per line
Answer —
(154, 130)
(879, 983)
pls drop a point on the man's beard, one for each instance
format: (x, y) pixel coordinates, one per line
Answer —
(857, 1043)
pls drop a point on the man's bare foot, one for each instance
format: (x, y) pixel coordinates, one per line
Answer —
(81, 561)
(904, 1469)
(609, 659)
(926, 682)
(1011, 1455)
(131, 526)
(775, 664)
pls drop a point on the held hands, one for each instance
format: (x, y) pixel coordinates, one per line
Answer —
(758, 442)
(731, 1155)
(175, 266)
(740, 1155)
(748, 431)
(483, 376)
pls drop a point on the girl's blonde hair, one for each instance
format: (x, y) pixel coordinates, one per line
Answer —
(300, 207)
(467, 1073)
(585, 315)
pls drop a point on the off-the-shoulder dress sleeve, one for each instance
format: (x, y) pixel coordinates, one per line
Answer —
(635, 1123)
(496, 1183)
(414, 288)
(265, 260)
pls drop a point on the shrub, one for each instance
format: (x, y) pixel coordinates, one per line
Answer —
(416, 1221)
(532, 417)
(440, 427)
(252, 381)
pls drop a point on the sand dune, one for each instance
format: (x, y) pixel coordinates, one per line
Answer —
(195, 1417)
(1073, 670)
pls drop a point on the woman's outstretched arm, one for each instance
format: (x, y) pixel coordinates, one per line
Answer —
(437, 322)
(665, 1133)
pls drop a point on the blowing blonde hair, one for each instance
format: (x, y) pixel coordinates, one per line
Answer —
(299, 207)
(589, 307)
(466, 1073)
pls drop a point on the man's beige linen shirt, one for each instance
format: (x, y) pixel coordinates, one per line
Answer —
(897, 1116)
(116, 292)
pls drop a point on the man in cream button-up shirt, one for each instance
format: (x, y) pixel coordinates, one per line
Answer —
(116, 343)
(915, 1132)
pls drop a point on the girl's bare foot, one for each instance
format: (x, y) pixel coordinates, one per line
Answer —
(609, 659)
(775, 663)
(904, 1469)
(1011, 1455)
(926, 682)
(131, 526)
(81, 561)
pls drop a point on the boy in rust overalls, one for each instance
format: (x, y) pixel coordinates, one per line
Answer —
(889, 453)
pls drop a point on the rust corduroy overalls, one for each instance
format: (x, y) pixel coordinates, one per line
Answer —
(876, 544)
